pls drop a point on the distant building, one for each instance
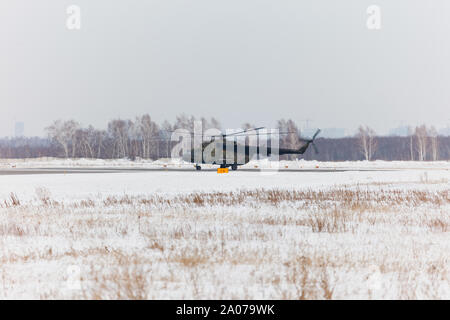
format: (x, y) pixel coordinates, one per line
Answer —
(19, 129)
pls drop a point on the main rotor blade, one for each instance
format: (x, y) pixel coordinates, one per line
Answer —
(316, 134)
(315, 148)
(183, 133)
(312, 139)
(236, 133)
(264, 133)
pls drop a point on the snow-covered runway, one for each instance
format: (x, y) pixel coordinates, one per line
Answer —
(64, 185)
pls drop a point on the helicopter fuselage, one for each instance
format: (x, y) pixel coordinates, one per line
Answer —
(232, 154)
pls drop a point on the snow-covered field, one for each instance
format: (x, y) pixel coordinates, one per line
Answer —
(244, 235)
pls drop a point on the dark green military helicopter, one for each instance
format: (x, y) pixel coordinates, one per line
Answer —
(229, 153)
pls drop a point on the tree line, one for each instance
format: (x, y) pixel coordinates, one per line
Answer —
(143, 138)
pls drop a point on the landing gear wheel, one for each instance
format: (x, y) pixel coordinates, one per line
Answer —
(198, 168)
(234, 167)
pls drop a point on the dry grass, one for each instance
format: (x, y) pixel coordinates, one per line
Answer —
(284, 244)
(13, 201)
(349, 199)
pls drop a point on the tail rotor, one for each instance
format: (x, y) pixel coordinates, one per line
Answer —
(311, 141)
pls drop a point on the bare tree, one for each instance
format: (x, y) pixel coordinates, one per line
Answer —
(367, 141)
(63, 132)
(100, 136)
(215, 124)
(433, 136)
(149, 134)
(135, 139)
(123, 139)
(185, 122)
(78, 146)
(421, 134)
(290, 137)
(119, 131)
(411, 143)
(247, 126)
(92, 138)
(164, 135)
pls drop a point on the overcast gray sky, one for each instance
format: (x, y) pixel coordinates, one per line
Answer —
(236, 60)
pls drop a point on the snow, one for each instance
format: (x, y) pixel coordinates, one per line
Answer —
(178, 163)
(140, 234)
(82, 185)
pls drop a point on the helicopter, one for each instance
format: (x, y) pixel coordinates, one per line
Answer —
(231, 154)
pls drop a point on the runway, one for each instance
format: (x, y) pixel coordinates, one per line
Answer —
(41, 171)
(84, 182)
